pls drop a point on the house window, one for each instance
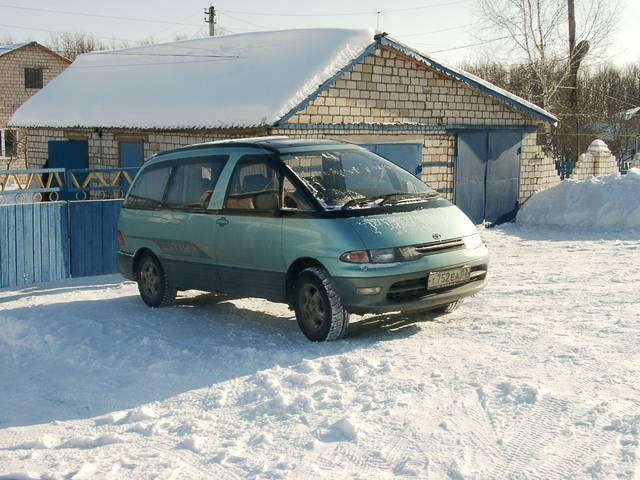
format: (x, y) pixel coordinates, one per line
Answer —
(8, 143)
(33, 78)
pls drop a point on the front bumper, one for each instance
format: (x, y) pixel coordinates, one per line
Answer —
(408, 292)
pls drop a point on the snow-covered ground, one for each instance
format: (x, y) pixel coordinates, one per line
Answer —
(536, 377)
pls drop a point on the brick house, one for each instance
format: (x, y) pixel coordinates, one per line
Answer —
(25, 68)
(472, 141)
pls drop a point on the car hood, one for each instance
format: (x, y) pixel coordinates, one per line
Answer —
(414, 227)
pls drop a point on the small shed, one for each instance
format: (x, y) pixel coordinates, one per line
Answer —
(472, 141)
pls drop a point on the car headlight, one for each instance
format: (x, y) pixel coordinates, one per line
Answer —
(382, 255)
(473, 241)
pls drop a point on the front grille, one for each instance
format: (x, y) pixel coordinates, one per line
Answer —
(416, 288)
(436, 247)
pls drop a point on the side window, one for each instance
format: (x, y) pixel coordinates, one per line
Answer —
(254, 185)
(148, 189)
(293, 197)
(193, 181)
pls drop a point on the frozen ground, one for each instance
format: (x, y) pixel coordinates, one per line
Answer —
(537, 377)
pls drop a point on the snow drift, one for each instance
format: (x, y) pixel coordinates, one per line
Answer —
(611, 202)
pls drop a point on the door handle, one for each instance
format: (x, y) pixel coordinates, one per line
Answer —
(222, 221)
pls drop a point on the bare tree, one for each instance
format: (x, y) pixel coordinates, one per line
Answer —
(71, 45)
(6, 39)
(539, 34)
(16, 149)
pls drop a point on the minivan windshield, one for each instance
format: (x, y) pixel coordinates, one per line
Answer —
(356, 178)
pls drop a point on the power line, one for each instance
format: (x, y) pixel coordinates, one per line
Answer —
(95, 15)
(424, 7)
(344, 14)
(607, 95)
(469, 45)
(244, 21)
(148, 54)
(69, 33)
(435, 31)
(216, 59)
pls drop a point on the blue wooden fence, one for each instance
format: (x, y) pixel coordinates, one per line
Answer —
(41, 242)
(93, 244)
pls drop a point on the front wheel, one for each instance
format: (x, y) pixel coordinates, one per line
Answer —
(318, 306)
(153, 285)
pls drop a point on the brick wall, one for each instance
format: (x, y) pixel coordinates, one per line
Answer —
(103, 145)
(537, 170)
(12, 89)
(12, 65)
(388, 87)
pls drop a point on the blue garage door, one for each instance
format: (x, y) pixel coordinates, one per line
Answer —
(487, 174)
(68, 154)
(407, 155)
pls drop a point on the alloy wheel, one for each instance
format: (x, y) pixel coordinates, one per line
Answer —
(150, 279)
(312, 307)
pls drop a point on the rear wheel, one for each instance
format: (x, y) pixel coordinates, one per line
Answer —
(153, 285)
(318, 306)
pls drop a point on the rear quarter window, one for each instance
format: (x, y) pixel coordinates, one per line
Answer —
(148, 190)
(193, 180)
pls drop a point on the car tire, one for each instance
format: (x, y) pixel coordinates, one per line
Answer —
(152, 281)
(319, 310)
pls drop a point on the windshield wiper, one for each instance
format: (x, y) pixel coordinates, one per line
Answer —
(354, 202)
(397, 198)
(389, 199)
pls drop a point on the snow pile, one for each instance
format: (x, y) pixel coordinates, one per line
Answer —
(611, 202)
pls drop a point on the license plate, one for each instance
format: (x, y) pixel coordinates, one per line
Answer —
(446, 278)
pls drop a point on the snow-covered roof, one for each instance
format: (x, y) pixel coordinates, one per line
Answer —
(239, 80)
(244, 80)
(4, 49)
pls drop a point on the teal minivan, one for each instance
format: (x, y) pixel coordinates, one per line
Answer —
(327, 227)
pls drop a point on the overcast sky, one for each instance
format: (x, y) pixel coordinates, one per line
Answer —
(437, 27)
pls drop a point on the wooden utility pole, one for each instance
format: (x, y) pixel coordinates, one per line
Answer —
(573, 70)
(576, 54)
(210, 18)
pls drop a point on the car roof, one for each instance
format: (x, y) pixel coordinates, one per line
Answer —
(272, 143)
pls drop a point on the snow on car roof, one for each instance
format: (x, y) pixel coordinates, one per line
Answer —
(242, 80)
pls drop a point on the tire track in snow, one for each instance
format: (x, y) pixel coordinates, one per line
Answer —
(531, 435)
(193, 463)
(570, 464)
